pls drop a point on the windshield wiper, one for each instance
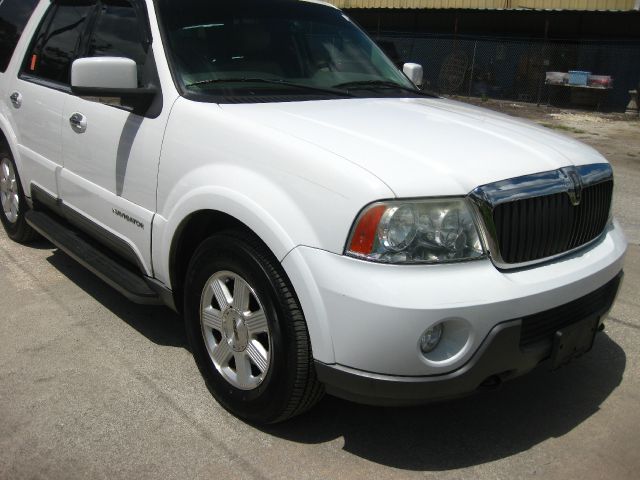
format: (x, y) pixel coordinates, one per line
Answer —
(334, 91)
(376, 84)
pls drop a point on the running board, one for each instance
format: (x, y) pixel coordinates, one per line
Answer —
(132, 285)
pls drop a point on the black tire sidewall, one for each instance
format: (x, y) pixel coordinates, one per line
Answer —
(223, 252)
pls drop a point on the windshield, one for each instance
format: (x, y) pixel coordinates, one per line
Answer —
(266, 47)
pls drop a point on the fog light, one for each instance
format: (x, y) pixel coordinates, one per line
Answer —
(431, 338)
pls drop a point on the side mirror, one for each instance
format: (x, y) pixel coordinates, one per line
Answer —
(414, 72)
(111, 81)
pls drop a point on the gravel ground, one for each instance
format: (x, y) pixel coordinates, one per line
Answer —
(92, 386)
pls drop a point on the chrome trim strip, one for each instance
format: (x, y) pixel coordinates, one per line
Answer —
(540, 184)
(486, 197)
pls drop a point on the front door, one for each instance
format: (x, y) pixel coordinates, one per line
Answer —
(111, 155)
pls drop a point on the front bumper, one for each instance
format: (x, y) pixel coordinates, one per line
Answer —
(502, 356)
(369, 317)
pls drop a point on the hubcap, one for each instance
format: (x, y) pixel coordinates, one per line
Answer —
(9, 191)
(235, 330)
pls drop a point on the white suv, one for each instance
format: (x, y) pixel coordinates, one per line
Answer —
(321, 223)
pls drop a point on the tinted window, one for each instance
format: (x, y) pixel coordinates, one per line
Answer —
(118, 32)
(14, 15)
(58, 41)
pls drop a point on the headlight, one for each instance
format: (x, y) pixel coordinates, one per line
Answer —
(422, 231)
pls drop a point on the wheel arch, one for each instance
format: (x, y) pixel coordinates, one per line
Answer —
(8, 137)
(190, 233)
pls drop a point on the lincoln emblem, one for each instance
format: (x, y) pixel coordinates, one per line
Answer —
(574, 187)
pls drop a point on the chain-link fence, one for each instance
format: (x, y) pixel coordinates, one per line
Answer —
(517, 69)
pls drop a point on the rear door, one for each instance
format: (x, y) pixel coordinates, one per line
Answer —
(37, 94)
(111, 165)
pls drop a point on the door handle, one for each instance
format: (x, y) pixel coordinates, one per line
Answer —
(78, 122)
(16, 99)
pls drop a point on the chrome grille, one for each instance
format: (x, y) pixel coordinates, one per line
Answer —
(542, 227)
(533, 218)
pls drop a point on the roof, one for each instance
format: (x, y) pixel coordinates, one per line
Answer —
(583, 5)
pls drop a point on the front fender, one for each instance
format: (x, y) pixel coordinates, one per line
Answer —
(259, 217)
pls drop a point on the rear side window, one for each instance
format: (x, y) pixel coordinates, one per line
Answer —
(58, 39)
(14, 15)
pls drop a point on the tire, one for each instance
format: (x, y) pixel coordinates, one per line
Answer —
(14, 204)
(251, 342)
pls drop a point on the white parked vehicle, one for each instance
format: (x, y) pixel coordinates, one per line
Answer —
(321, 223)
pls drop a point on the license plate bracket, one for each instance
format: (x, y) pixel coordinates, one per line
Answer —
(573, 341)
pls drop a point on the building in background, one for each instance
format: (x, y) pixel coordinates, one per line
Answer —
(504, 48)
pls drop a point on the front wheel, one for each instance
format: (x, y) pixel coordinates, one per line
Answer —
(247, 330)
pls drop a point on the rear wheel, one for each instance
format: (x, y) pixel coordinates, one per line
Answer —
(247, 330)
(13, 201)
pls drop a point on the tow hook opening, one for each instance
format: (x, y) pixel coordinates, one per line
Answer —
(491, 383)
(495, 381)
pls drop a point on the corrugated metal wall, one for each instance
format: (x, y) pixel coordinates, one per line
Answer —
(493, 4)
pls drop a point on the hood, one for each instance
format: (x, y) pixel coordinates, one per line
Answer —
(423, 147)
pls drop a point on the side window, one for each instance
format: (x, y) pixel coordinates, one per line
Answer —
(58, 40)
(14, 15)
(118, 32)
